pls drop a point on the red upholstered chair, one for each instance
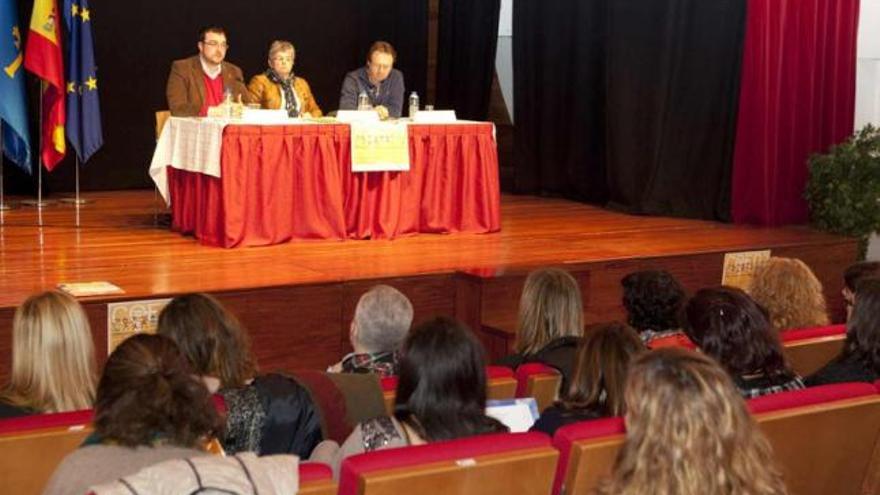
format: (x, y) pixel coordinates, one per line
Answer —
(31, 447)
(808, 349)
(500, 383)
(810, 396)
(587, 452)
(316, 479)
(539, 381)
(678, 340)
(496, 464)
(826, 439)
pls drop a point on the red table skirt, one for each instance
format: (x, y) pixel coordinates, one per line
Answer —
(295, 182)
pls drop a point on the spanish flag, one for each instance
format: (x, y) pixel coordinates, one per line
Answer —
(43, 58)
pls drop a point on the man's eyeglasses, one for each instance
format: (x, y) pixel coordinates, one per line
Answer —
(215, 44)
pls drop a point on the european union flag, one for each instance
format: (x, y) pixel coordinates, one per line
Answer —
(83, 110)
(13, 101)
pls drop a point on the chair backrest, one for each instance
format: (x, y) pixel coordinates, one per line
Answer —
(500, 384)
(539, 381)
(316, 479)
(808, 349)
(497, 464)
(822, 446)
(161, 117)
(31, 447)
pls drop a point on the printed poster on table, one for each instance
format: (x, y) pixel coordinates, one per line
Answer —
(128, 318)
(740, 268)
(379, 146)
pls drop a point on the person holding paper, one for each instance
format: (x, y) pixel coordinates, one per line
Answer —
(379, 80)
(201, 81)
(279, 87)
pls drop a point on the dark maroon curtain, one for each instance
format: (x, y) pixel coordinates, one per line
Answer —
(797, 97)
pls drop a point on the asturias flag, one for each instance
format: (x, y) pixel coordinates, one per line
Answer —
(43, 58)
(13, 100)
(83, 110)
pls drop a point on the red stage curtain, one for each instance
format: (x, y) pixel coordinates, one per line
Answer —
(797, 97)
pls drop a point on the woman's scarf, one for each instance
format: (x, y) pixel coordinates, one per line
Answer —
(290, 102)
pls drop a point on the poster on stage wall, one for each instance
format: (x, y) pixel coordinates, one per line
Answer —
(128, 318)
(740, 268)
(379, 147)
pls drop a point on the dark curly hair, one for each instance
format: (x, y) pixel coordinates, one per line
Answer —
(730, 326)
(147, 393)
(653, 300)
(863, 327)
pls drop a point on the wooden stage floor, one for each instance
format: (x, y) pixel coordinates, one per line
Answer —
(119, 242)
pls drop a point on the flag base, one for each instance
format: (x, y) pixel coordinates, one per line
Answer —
(75, 201)
(38, 203)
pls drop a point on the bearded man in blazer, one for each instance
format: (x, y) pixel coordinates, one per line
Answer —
(199, 82)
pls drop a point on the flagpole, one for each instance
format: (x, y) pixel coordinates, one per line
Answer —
(3, 204)
(76, 200)
(39, 203)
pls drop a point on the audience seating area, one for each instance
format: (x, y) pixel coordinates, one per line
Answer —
(808, 349)
(826, 439)
(501, 384)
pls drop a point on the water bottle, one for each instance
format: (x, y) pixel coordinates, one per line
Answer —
(227, 102)
(363, 101)
(413, 104)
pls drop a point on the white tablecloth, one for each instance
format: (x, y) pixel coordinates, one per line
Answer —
(189, 144)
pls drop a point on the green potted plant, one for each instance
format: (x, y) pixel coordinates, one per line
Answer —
(844, 187)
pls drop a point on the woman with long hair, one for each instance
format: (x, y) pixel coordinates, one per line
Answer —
(551, 322)
(689, 433)
(730, 326)
(149, 408)
(219, 351)
(53, 358)
(596, 389)
(441, 395)
(859, 361)
(791, 294)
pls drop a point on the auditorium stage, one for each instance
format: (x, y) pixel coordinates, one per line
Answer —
(296, 299)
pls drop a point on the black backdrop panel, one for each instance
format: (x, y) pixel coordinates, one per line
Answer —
(135, 43)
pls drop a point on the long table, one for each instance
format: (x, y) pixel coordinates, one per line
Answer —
(249, 185)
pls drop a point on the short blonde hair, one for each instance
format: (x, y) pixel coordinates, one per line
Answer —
(791, 294)
(53, 356)
(689, 432)
(550, 307)
(279, 46)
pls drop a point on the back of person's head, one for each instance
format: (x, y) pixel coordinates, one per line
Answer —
(147, 395)
(790, 292)
(600, 369)
(550, 307)
(863, 327)
(441, 391)
(689, 432)
(727, 324)
(382, 318)
(53, 356)
(653, 300)
(857, 272)
(210, 337)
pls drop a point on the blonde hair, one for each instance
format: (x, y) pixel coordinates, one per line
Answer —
(790, 292)
(689, 432)
(53, 357)
(279, 46)
(550, 307)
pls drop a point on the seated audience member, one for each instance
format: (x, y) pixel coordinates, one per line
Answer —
(688, 432)
(441, 395)
(382, 83)
(550, 323)
(859, 361)
(199, 82)
(791, 294)
(653, 301)
(279, 87)
(381, 321)
(149, 408)
(266, 414)
(730, 326)
(596, 389)
(853, 275)
(53, 358)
